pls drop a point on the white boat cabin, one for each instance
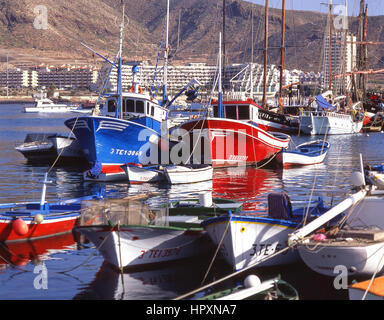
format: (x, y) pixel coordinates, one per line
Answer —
(247, 111)
(135, 106)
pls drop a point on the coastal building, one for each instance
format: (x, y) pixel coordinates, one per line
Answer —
(236, 80)
(14, 78)
(340, 60)
(66, 76)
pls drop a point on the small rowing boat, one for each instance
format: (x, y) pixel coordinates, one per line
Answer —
(36, 220)
(308, 153)
(178, 174)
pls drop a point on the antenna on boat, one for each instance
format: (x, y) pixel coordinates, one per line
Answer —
(119, 107)
(166, 51)
(265, 54)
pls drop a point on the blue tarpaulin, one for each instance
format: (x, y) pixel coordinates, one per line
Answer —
(324, 103)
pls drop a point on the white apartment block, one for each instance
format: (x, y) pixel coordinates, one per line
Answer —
(343, 60)
(237, 78)
(67, 77)
(14, 78)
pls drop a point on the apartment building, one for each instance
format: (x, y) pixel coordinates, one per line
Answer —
(339, 60)
(237, 77)
(67, 76)
(14, 78)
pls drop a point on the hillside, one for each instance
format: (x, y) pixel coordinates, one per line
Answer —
(96, 22)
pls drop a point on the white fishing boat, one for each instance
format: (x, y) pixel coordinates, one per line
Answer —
(359, 251)
(133, 234)
(308, 153)
(357, 242)
(48, 147)
(372, 289)
(177, 174)
(47, 105)
(140, 174)
(325, 120)
(246, 240)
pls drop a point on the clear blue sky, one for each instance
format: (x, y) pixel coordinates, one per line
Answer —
(375, 7)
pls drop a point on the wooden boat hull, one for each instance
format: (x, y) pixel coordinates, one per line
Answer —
(187, 174)
(144, 245)
(51, 226)
(250, 239)
(361, 260)
(137, 174)
(298, 157)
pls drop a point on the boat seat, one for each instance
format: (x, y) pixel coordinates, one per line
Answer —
(279, 205)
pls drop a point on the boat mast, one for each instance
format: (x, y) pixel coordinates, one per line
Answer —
(251, 69)
(119, 107)
(330, 46)
(220, 88)
(165, 73)
(265, 53)
(344, 88)
(281, 103)
(222, 47)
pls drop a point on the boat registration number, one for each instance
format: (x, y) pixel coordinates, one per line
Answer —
(123, 152)
(159, 253)
(265, 249)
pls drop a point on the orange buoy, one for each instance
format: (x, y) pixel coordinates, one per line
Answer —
(20, 227)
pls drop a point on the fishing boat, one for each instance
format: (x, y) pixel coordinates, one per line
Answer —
(248, 239)
(134, 234)
(355, 242)
(36, 220)
(253, 289)
(130, 127)
(48, 106)
(372, 289)
(178, 174)
(308, 153)
(359, 251)
(323, 119)
(48, 147)
(231, 137)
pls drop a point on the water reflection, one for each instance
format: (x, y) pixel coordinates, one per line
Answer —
(21, 253)
(163, 282)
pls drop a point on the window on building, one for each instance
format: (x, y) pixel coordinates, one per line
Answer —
(243, 112)
(230, 112)
(139, 106)
(130, 105)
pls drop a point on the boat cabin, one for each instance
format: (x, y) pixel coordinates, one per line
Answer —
(247, 111)
(135, 106)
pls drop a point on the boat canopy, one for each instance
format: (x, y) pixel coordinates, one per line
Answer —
(323, 103)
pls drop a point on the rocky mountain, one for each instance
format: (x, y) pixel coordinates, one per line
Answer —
(193, 33)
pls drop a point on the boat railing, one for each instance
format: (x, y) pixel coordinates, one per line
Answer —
(325, 114)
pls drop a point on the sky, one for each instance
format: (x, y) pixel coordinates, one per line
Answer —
(375, 7)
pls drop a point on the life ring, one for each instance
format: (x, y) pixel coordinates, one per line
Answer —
(132, 89)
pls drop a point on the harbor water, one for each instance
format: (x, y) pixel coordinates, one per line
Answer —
(73, 267)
